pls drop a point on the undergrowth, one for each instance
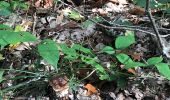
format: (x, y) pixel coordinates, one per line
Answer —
(69, 60)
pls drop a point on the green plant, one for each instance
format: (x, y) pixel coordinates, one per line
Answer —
(49, 51)
(11, 37)
(123, 42)
(6, 8)
(77, 56)
(88, 57)
(161, 4)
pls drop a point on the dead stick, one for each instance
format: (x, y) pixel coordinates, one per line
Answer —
(148, 11)
(160, 45)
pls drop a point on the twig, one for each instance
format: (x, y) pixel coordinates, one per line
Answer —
(148, 11)
(133, 28)
(122, 27)
(89, 75)
(34, 23)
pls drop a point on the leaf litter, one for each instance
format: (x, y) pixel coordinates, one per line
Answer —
(62, 23)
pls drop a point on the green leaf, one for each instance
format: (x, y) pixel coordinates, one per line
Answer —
(92, 62)
(123, 42)
(163, 69)
(104, 77)
(108, 50)
(4, 12)
(2, 26)
(19, 4)
(18, 28)
(4, 4)
(49, 51)
(1, 57)
(26, 37)
(1, 75)
(75, 15)
(163, 1)
(81, 48)
(123, 58)
(70, 52)
(142, 3)
(9, 37)
(154, 60)
(134, 64)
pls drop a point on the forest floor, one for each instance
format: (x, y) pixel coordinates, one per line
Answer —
(94, 24)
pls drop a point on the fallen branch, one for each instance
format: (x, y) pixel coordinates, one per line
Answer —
(160, 41)
(148, 11)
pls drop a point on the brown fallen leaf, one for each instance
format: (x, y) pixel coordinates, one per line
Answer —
(137, 56)
(37, 3)
(59, 19)
(134, 55)
(137, 10)
(90, 89)
(130, 70)
(43, 3)
(59, 83)
(48, 3)
(71, 25)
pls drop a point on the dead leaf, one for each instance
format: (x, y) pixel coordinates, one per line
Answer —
(134, 55)
(100, 11)
(46, 3)
(71, 25)
(130, 70)
(90, 89)
(137, 56)
(37, 3)
(119, 1)
(59, 83)
(136, 10)
(59, 19)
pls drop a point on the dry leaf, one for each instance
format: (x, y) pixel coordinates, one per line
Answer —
(137, 56)
(46, 3)
(37, 3)
(59, 19)
(119, 1)
(71, 25)
(59, 83)
(122, 1)
(130, 70)
(90, 89)
(136, 10)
